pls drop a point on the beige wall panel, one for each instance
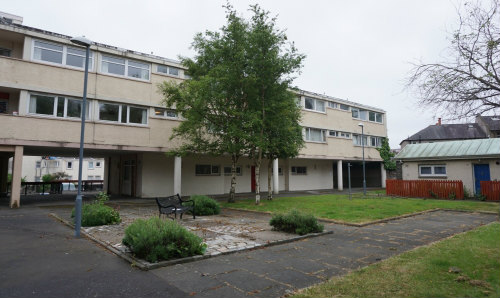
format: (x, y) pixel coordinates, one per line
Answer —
(157, 175)
(319, 175)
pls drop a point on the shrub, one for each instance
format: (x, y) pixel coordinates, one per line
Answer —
(296, 222)
(98, 214)
(205, 205)
(156, 240)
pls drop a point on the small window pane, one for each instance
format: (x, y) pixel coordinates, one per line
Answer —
(425, 170)
(113, 68)
(363, 115)
(139, 73)
(109, 112)
(46, 45)
(124, 114)
(60, 107)
(48, 55)
(138, 115)
(203, 169)
(344, 107)
(159, 112)
(42, 105)
(215, 170)
(309, 103)
(440, 170)
(320, 105)
(74, 108)
(162, 68)
(378, 118)
(173, 71)
(372, 116)
(113, 60)
(171, 113)
(355, 113)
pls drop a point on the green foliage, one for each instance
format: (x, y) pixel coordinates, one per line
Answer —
(54, 177)
(47, 178)
(452, 196)
(296, 222)
(98, 214)
(9, 178)
(205, 205)
(467, 193)
(239, 75)
(387, 155)
(156, 240)
(480, 197)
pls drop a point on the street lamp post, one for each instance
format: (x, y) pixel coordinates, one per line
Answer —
(81, 41)
(363, 146)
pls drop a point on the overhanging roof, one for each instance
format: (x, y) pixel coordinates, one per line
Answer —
(466, 149)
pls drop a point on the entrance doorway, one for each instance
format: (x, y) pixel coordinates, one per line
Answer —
(481, 173)
(128, 176)
(253, 179)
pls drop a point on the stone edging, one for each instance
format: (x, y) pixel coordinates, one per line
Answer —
(144, 265)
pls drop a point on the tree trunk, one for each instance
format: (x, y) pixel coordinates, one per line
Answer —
(257, 177)
(232, 191)
(269, 179)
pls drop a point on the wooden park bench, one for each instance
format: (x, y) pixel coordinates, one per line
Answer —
(174, 205)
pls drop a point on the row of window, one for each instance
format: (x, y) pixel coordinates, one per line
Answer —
(318, 105)
(214, 170)
(432, 170)
(75, 57)
(318, 135)
(90, 165)
(64, 107)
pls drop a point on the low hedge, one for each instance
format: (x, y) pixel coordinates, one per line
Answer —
(156, 240)
(205, 205)
(98, 214)
(296, 222)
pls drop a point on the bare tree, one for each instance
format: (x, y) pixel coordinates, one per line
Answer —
(468, 83)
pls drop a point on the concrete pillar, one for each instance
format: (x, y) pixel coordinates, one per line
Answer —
(4, 172)
(383, 174)
(276, 185)
(17, 167)
(340, 181)
(177, 175)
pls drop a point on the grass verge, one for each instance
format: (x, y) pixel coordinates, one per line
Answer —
(339, 207)
(424, 272)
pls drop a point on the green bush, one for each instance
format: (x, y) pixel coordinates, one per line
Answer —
(156, 240)
(296, 222)
(205, 205)
(98, 214)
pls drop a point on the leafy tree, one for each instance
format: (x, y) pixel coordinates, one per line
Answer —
(387, 155)
(469, 82)
(215, 101)
(272, 63)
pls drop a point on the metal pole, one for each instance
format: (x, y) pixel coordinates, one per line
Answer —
(349, 178)
(364, 171)
(78, 201)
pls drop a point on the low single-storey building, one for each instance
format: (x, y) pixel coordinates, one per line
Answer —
(470, 161)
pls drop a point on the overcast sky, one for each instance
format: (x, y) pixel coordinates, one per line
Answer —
(356, 50)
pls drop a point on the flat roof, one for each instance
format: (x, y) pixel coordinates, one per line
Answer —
(465, 149)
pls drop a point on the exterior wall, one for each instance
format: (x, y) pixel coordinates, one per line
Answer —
(319, 175)
(30, 171)
(456, 170)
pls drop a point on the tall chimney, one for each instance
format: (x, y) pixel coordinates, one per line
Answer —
(439, 121)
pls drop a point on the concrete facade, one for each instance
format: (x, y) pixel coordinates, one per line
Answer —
(129, 129)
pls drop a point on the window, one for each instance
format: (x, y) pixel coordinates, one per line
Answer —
(344, 107)
(339, 134)
(314, 104)
(167, 113)
(60, 54)
(90, 177)
(315, 134)
(56, 106)
(359, 114)
(38, 164)
(299, 170)
(332, 133)
(125, 67)
(376, 141)
(97, 177)
(37, 179)
(227, 171)
(432, 170)
(345, 135)
(375, 117)
(207, 170)
(170, 70)
(333, 105)
(357, 140)
(122, 113)
(5, 52)
(91, 165)
(69, 165)
(97, 164)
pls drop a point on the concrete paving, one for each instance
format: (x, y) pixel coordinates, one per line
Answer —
(39, 257)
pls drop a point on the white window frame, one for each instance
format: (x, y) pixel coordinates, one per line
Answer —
(69, 165)
(126, 65)
(90, 165)
(433, 173)
(54, 111)
(238, 171)
(120, 111)
(168, 70)
(339, 134)
(64, 55)
(98, 164)
(293, 170)
(307, 133)
(165, 113)
(212, 173)
(315, 105)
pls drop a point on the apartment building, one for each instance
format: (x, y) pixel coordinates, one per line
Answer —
(41, 84)
(35, 167)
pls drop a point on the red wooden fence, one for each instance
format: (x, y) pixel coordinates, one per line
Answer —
(443, 189)
(491, 190)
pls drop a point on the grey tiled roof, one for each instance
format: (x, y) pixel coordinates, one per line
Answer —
(493, 122)
(449, 132)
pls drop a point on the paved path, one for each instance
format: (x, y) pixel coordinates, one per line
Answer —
(275, 271)
(39, 257)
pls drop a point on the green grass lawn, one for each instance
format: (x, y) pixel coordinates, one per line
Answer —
(357, 210)
(424, 272)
